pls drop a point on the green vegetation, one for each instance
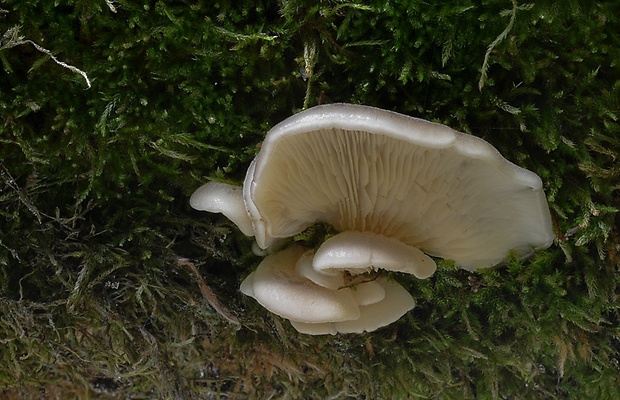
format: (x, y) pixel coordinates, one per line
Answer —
(97, 296)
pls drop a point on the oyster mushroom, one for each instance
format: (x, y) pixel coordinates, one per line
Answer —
(223, 198)
(359, 168)
(396, 188)
(280, 284)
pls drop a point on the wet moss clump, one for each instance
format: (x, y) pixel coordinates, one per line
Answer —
(113, 112)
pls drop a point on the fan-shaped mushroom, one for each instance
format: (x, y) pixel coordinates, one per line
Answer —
(395, 187)
(280, 284)
(359, 168)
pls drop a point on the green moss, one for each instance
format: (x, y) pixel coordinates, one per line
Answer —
(95, 300)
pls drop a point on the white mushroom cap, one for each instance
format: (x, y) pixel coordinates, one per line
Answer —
(364, 293)
(360, 168)
(395, 304)
(367, 293)
(223, 198)
(331, 279)
(358, 252)
(277, 287)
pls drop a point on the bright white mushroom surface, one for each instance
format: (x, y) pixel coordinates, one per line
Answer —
(222, 198)
(359, 168)
(315, 305)
(396, 188)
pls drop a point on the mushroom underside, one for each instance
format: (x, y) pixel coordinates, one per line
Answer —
(439, 200)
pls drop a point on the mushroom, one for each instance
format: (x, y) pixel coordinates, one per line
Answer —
(396, 189)
(217, 197)
(359, 168)
(359, 252)
(281, 286)
(395, 304)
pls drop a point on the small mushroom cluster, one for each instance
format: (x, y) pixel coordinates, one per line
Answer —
(396, 189)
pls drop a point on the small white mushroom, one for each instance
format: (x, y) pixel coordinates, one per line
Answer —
(280, 289)
(278, 285)
(332, 279)
(223, 198)
(367, 293)
(395, 304)
(359, 252)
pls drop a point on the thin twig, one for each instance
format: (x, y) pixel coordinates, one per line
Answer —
(208, 293)
(11, 39)
(21, 194)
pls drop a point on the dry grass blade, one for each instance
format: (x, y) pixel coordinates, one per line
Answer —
(208, 293)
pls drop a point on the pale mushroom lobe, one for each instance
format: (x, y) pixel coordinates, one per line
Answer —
(359, 252)
(331, 279)
(367, 293)
(277, 287)
(223, 198)
(359, 168)
(396, 303)
(364, 293)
